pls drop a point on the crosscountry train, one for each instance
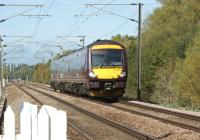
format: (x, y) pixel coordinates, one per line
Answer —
(98, 70)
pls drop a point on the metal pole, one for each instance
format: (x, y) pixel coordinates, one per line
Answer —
(20, 72)
(83, 41)
(139, 54)
(51, 57)
(1, 65)
(37, 72)
(2, 83)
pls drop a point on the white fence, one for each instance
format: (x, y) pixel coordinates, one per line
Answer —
(48, 124)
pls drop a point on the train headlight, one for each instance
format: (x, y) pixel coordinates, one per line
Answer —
(123, 74)
(91, 74)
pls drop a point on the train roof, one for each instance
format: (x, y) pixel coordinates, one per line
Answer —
(105, 42)
(98, 42)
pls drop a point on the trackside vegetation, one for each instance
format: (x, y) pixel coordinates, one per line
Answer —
(170, 56)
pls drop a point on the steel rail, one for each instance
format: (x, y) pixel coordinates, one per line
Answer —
(180, 114)
(69, 121)
(114, 124)
(179, 124)
(159, 110)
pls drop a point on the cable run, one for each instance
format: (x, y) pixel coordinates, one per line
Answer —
(90, 17)
(119, 27)
(40, 19)
(114, 14)
(19, 14)
(37, 24)
(16, 41)
(76, 23)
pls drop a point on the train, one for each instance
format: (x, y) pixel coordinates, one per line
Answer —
(97, 70)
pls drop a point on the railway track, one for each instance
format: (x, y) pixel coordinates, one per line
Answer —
(177, 118)
(87, 137)
(130, 131)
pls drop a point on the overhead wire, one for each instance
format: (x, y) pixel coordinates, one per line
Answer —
(47, 1)
(112, 13)
(83, 11)
(19, 14)
(16, 41)
(77, 24)
(90, 17)
(152, 3)
(50, 6)
(72, 42)
(119, 27)
(40, 19)
(13, 50)
(37, 25)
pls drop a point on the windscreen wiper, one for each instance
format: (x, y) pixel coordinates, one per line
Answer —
(100, 66)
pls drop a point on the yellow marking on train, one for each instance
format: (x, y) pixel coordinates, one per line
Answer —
(107, 73)
(106, 47)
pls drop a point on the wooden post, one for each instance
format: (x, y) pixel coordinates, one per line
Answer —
(25, 121)
(34, 122)
(9, 124)
(49, 124)
(43, 125)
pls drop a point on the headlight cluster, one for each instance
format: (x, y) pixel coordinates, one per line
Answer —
(91, 74)
(123, 74)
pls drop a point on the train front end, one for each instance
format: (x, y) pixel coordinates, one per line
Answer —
(107, 69)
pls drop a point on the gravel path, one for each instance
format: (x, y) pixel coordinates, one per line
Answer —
(94, 128)
(15, 96)
(160, 115)
(144, 124)
(181, 110)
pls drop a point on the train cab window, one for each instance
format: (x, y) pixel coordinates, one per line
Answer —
(106, 57)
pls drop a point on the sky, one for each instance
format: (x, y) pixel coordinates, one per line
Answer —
(63, 18)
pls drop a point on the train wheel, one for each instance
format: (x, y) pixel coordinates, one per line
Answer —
(77, 90)
(60, 87)
(54, 88)
(61, 91)
(81, 89)
(115, 99)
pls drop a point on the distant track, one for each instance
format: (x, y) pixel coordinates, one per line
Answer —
(157, 110)
(180, 114)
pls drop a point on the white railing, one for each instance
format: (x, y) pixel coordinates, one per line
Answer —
(48, 124)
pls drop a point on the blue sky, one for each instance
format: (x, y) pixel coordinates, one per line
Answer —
(63, 22)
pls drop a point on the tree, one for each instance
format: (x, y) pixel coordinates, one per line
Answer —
(167, 34)
(41, 73)
(187, 75)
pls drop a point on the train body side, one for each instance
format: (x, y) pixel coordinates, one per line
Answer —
(71, 68)
(69, 71)
(85, 72)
